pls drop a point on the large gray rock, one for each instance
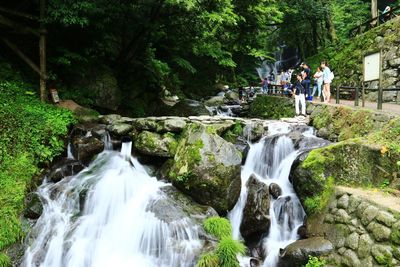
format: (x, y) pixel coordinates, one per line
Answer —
(85, 148)
(207, 168)
(256, 219)
(120, 129)
(297, 253)
(186, 108)
(174, 125)
(154, 144)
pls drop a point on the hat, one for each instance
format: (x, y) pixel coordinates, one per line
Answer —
(303, 63)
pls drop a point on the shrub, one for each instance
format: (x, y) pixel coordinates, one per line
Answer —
(208, 260)
(31, 133)
(227, 251)
(218, 227)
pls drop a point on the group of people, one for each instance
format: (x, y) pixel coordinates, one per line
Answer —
(301, 88)
(282, 79)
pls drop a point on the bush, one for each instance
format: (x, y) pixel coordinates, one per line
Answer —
(227, 251)
(208, 260)
(31, 133)
(218, 227)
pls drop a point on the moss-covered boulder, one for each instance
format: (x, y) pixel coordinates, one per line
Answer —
(154, 144)
(352, 162)
(207, 168)
(271, 107)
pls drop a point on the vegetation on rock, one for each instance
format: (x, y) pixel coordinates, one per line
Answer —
(32, 134)
(270, 107)
(225, 255)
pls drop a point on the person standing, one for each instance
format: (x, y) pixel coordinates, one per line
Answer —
(327, 81)
(264, 85)
(306, 80)
(299, 96)
(318, 80)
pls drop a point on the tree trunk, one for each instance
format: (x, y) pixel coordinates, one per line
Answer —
(42, 53)
(374, 12)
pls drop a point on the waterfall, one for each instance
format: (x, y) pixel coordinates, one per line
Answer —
(270, 160)
(100, 217)
(69, 151)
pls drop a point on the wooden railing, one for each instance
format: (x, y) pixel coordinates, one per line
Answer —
(374, 22)
(354, 93)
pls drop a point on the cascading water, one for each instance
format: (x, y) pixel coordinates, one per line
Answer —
(101, 217)
(270, 160)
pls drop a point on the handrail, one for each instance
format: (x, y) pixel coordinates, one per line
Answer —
(371, 23)
(356, 91)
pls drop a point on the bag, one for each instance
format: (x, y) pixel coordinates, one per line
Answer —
(331, 76)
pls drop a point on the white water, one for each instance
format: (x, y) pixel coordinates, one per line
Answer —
(69, 151)
(270, 160)
(99, 218)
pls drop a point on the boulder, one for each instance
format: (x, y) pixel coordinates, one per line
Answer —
(256, 219)
(254, 131)
(146, 124)
(231, 95)
(33, 206)
(174, 125)
(120, 129)
(110, 119)
(297, 253)
(207, 168)
(154, 144)
(275, 190)
(173, 206)
(63, 168)
(214, 101)
(85, 148)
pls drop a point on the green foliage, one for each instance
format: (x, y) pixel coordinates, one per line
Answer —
(270, 107)
(218, 227)
(319, 202)
(30, 133)
(4, 260)
(208, 260)
(315, 262)
(384, 184)
(388, 137)
(227, 251)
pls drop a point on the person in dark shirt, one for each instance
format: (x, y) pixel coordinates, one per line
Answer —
(306, 80)
(299, 95)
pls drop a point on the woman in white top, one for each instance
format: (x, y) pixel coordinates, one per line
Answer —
(318, 80)
(327, 81)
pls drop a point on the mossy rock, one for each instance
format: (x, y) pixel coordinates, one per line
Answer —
(207, 168)
(353, 162)
(154, 144)
(271, 107)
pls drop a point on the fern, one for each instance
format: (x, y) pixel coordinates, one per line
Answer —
(218, 227)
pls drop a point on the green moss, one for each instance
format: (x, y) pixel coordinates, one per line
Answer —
(395, 235)
(232, 134)
(218, 227)
(270, 107)
(385, 260)
(320, 201)
(208, 260)
(237, 128)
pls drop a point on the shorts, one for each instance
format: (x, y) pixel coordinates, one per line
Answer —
(327, 81)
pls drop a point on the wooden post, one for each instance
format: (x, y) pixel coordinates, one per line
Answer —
(363, 94)
(356, 97)
(380, 89)
(337, 95)
(42, 52)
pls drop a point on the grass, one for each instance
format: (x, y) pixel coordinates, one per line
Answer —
(227, 248)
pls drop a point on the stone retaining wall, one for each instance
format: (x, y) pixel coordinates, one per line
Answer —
(363, 232)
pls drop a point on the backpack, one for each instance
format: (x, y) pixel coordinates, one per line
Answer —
(331, 76)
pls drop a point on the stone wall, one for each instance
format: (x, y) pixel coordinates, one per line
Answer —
(363, 232)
